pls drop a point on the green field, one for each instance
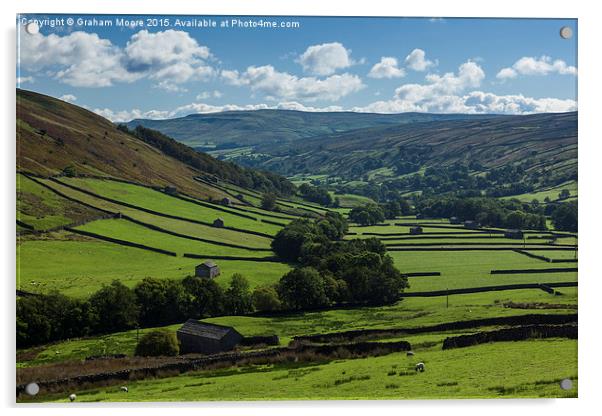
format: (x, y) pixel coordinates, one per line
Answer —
(183, 227)
(551, 193)
(160, 202)
(79, 268)
(42, 209)
(129, 231)
(471, 269)
(513, 369)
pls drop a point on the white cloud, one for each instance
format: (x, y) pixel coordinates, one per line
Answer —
(417, 61)
(209, 94)
(282, 85)
(325, 59)
(387, 68)
(528, 65)
(70, 98)
(25, 80)
(84, 59)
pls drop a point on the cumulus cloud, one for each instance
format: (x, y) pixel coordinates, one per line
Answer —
(84, 59)
(282, 85)
(387, 68)
(325, 59)
(543, 65)
(454, 93)
(70, 98)
(417, 61)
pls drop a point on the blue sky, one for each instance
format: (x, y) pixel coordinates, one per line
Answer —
(358, 64)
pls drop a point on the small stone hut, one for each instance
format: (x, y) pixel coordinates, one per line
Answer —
(218, 223)
(454, 220)
(471, 224)
(205, 338)
(226, 201)
(514, 234)
(416, 230)
(170, 190)
(207, 269)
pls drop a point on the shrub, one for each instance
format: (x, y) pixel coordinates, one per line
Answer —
(266, 298)
(303, 288)
(156, 343)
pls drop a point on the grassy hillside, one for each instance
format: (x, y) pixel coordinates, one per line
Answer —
(243, 128)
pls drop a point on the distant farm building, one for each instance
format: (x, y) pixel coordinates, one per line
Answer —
(218, 223)
(226, 201)
(240, 197)
(204, 338)
(516, 234)
(454, 220)
(416, 230)
(419, 216)
(170, 190)
(471, 224)
(207, 269)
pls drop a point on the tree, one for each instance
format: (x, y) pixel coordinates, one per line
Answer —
(368, 214)
(268, 201)
(161, 301)
(302, 288)
(564, 217)
(265, 298)
(206, 296)
(238, 297)
(116, 308)
(564, 194)
(156, 343)
(69, 171)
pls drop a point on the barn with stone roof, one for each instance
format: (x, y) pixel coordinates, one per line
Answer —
(205, 338)
(207, 269)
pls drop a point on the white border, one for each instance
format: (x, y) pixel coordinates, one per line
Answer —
(589, 184)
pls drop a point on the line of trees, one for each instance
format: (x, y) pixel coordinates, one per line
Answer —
(116, 307)
(261, 180)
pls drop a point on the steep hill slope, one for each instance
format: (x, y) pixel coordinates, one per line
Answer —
(243, 128)
(53, 135)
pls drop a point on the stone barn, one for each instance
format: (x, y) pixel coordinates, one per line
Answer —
(416, 230)
(454, 220)
(170, 190)
(226, 201)
(471, 224)
(218, 223)
(204, 338)
(240, 197)
(207, 269)
(515, 234)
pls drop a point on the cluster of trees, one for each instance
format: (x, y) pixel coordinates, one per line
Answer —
(115, 307)
(331, 270)
(263, 181)
(317, 194)
(368, 214)
(564, 216)
(486, 211)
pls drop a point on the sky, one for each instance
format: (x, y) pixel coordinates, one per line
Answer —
(124, 67)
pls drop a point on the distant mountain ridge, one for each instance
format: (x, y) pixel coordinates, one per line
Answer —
(260, 127)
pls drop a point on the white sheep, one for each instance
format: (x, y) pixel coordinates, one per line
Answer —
(420, 367)
(124, 389)
(72, 397)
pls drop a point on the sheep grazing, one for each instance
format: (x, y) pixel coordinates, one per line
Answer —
(124, 389)
(410, 353)
(72, 397)
(420, 367)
